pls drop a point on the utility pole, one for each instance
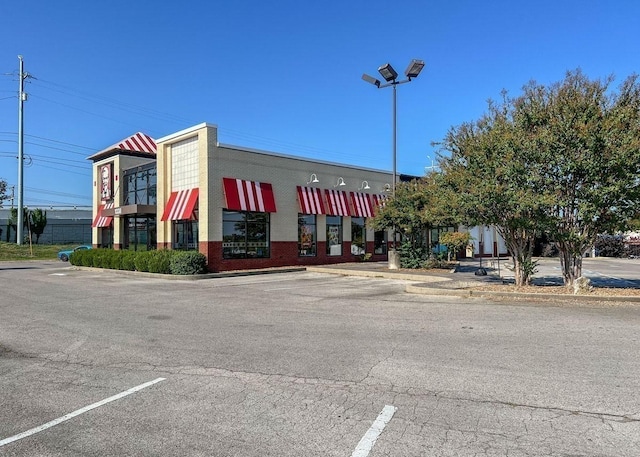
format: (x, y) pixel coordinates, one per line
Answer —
(22, 97)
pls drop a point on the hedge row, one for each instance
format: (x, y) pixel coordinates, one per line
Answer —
(164, 261)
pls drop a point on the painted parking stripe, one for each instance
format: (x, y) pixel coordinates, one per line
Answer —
(66, 417)
(369, 439)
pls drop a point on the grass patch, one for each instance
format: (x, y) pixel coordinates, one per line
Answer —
(11, 251)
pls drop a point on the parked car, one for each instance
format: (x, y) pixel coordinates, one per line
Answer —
(64, 255)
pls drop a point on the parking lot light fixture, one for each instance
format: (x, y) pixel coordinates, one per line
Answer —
(391, 76)
(388, 73)
(414, 68)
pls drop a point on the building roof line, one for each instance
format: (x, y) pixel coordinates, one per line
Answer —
(304, 159)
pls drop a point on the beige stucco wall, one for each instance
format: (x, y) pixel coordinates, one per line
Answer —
(284, 173)
(206, 137)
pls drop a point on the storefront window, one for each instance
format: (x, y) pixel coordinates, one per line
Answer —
(140, 233)
(140, 185)
(358, 236)
(334, 235)
(245, 235)
(380, 242)
(106, 237)
(306, 235)
(185, 235)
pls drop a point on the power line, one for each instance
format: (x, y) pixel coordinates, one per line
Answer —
(56, 160)
(35, 164)
(41, 159)
(116, 103)
(58, 194)
(270, 142)
(57, 149)
(89, 148)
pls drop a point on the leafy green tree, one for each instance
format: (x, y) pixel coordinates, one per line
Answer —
(414, 209)
(586, 141)
(562, 159)
(455, 241)
(37, 222)
(12, 222)
(491, 178)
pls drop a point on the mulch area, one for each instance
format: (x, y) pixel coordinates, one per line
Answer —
(541, 289)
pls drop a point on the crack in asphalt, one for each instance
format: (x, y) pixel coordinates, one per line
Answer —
(197, 370)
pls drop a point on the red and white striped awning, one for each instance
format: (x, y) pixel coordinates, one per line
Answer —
(138, 142)
(361, 205)
(100, 220)
(378, 200)
(181, 205)
(244, 195)
(310, 199)
(337, 203)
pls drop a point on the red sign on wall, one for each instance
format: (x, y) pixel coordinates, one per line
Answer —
(106, 182)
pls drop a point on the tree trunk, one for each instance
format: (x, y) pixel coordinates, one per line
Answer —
(520, 246)
(571, 263)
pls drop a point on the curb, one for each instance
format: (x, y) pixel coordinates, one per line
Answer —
(377, 274)
(426, 285)
(226, 274)
(424, 289)
(434, 285)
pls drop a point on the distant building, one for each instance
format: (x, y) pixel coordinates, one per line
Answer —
(64, 226)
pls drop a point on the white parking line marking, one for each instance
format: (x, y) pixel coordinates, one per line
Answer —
(58, 274)
(66, 417)
(369, 439)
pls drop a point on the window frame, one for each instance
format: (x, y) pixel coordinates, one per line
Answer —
(313, 244)
(247, 218)
(339, 225)
(363, 228)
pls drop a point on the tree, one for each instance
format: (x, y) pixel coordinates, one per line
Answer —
(3, 191)
(455, 241)
(37, 222)
(562, 160)
(586, 142)
(491, 178)
(12, 221)
(415, 208)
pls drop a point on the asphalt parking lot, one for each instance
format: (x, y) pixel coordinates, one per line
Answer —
(100, 364)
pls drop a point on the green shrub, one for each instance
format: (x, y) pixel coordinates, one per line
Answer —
(436, 262)
(78, 257)
(610, 246)
(412, 256)
(128, 260)
(163, 261)
(141, 260)
(114, 260)
(159, 261)
(98, 258)
(187, 263)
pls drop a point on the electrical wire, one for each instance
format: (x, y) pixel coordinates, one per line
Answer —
(58, 194)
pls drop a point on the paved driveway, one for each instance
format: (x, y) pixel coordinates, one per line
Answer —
(602, 271)
(304, 364)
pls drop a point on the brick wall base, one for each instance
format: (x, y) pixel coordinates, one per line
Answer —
(283, 254)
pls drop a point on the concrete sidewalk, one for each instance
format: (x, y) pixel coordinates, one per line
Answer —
(459, 282)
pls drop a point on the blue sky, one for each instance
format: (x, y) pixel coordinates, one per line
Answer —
(282, 76)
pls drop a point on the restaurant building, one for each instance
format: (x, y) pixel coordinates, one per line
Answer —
(242, 208)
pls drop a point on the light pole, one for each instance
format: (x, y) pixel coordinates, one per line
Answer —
(391, 78)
